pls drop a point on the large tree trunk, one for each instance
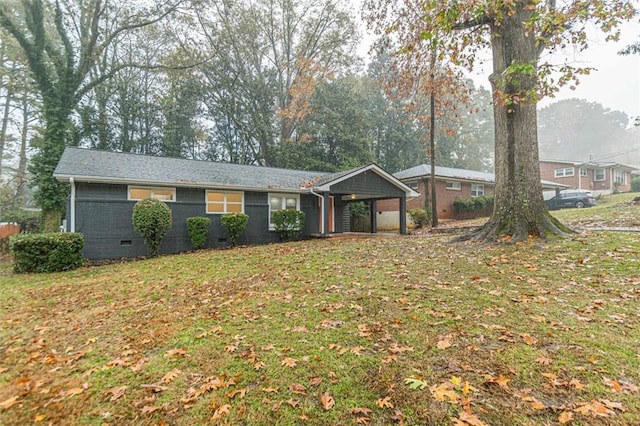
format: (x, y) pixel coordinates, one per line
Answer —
(519, 209)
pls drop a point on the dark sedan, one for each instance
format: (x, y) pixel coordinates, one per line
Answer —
(570, 199)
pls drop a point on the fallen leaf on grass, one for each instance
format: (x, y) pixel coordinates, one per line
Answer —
(170, 376)
(565, 417)
(242, 392)
(415, 383)
(443, 392)
(502, 381)
(221, 411)
(360, 411)
(8, 403)
(599, 408)
(315, 380)
(384, 402)
(176, 353)
(116, 392)
(528, 339)
(298, 388)
(468, 419)
(542, 360)
(619, 386)
(444, 342)
(327, 401)
(289, 362)
(150, 409)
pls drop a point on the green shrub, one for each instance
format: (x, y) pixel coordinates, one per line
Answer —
(635, 184)
(198, 228)
(419, 216)
(462, 205)
(152, 218)
(234, 225)
(289, 223)
(51, 252)
(358, 209)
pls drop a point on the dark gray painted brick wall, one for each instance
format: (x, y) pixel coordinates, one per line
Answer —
(103, 216)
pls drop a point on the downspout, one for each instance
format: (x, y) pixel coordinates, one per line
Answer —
(72, 206)
(321, 198)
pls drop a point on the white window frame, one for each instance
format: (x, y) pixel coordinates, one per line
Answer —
(453, 185)
(225, 202)
(413, 185)
(152, 190)
(596, 173)
(283, 199)
(620, 177)
(477, 190)
(566, 172)
(583, 172)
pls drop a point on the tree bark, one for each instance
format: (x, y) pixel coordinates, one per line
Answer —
(519, 209)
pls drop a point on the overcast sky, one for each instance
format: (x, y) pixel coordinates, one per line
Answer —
(615, 84)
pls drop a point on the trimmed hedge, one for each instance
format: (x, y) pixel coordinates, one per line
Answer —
(198, 227)
(234, 225)
(462, 205)
(49, 252)
(152, 218)
(289, 222)
(635, 184)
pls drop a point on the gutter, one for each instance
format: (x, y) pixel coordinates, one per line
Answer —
(72, 206)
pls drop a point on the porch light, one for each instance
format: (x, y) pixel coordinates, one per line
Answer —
(353, 196)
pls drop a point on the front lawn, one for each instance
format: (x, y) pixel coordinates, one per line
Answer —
(408, 330)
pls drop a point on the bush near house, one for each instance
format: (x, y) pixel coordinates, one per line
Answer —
(467, 208)
(288, 223)
(50, 252)
(198, 228)
(635, 184)
(152, 218)
(234, 225)
(419, 216)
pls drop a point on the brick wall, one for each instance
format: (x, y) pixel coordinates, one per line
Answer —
(444, 197)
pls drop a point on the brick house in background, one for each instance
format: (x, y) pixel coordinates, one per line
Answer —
(451, 184)
(598, 177)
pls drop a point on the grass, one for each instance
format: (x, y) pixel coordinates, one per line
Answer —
(412, 330)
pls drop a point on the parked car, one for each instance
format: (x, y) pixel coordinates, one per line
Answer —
(571, 198)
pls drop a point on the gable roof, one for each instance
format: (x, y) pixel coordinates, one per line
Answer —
(424, 170)
(87, 165)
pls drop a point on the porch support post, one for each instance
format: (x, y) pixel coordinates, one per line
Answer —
(325, 213)
(374, 217)
(403, 214)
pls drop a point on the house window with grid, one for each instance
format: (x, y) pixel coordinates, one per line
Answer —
(219, 202)
(477, 190)
(282, 202)
(599, 175)
(566, 172)
(413, 185)
(583, 172)
(137, 193)
(620, 177)
(456, 186)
